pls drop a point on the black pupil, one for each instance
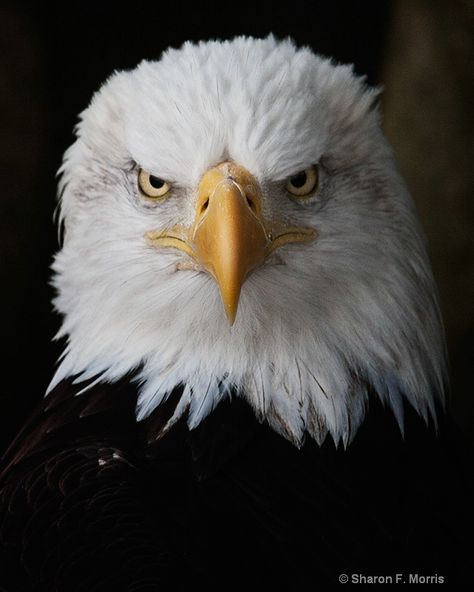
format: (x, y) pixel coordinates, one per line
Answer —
(298, 180)
(156, 182)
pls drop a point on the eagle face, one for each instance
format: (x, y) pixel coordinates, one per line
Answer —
(235, 222)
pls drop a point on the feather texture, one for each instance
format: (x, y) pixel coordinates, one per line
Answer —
(86, 503)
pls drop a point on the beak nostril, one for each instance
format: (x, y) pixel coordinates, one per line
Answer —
(204, 206)
(251, 204)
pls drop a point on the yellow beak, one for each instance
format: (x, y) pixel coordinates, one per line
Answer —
(229, 236)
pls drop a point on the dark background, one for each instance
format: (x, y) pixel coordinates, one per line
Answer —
(54, 56)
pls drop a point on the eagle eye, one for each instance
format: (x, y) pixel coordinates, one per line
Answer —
(304, 182)
(152, 186)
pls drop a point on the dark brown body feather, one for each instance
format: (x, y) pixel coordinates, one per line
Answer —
(91, 500)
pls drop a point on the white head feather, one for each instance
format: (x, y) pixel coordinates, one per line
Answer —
(354, 310)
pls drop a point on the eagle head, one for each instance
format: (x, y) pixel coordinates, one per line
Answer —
(234, 223)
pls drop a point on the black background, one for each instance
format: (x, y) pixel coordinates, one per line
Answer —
(55, 56)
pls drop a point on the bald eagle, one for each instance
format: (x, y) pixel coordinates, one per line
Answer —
(255, 365)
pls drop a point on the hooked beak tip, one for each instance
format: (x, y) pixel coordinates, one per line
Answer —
(231, 314)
